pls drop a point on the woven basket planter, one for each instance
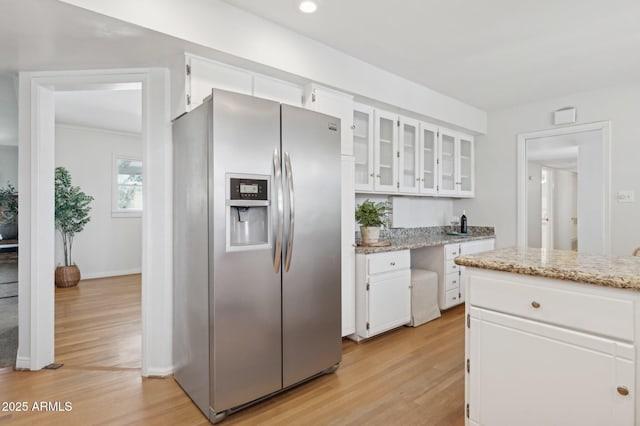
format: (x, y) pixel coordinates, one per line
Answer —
(67, 276)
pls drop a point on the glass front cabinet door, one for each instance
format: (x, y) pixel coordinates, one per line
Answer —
(363, 147)
(448, 163)
(385, 154)
(465, 180)
(408, 156)
(428, 159)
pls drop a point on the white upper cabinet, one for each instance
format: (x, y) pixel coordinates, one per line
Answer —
(399, 155)
(363, 147)
(466, 178)
(277, 90)
(195, 77)
(336, 104)
(409, 156)
(203, 75)
(456, 164)
(428, 151)
(385, 152)
(448, 164)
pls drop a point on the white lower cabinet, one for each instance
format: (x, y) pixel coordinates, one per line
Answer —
(544, 365)
(383, 292)
(440, 259)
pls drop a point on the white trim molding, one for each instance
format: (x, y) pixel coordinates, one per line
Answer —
(605, 127)
(36, 166)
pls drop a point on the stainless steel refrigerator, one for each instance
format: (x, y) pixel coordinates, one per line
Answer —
(256, 249)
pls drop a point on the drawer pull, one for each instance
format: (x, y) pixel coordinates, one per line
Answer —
(535, 304)
(454, 282)
(393, 263)
(622, 390)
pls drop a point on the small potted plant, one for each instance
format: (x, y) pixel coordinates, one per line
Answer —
(371, 216)
(8, 212)
(71, 215)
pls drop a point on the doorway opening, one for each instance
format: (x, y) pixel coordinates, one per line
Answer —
(98, 141)
(36, 312)
(8, 220)
(563, 188)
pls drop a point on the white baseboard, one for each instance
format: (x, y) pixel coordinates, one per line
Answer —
(159, 372)
(23, 363)
(93, 275)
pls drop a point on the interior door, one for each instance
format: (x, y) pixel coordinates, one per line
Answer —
(311, 280)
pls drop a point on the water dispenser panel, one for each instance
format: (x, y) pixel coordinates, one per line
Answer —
(248, 189)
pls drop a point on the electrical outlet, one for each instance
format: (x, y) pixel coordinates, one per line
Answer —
(626, 196)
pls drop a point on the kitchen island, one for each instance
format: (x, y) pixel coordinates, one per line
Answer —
(552, 337)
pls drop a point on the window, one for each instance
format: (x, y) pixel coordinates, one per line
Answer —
(127, 186)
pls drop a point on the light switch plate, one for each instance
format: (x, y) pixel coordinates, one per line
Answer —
(626, 196)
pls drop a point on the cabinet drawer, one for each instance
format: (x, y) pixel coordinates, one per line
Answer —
(588, 312)
(450, 266)
(477, 246)
(452, 298)
(452, 281)
(388, 261)
(451, 251)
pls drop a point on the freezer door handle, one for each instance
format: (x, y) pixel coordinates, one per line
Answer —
(279, 213)
(289, 178)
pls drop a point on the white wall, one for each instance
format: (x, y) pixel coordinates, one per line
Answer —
(8, 165)
(565, 207)
(411, 212)
(495, 200)
(239, 34)
(107, 246)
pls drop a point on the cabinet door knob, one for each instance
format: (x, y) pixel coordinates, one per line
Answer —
(393, 263)
(371, 175)
(353, 127)
(535, 304)
(623, 390)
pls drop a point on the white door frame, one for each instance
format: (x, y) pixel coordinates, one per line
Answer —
(36, 214)
(605, 127)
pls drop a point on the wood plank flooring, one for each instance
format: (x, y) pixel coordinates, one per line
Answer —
(410, 376)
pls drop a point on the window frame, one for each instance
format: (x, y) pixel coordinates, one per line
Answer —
(116, 210)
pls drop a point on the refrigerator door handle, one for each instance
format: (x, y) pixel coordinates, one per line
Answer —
(289, 178)
(277, 218)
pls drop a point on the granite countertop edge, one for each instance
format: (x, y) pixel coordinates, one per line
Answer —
(421, 242)
(606, 271)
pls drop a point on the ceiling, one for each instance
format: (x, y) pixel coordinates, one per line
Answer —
(119, 110)
(491, 53)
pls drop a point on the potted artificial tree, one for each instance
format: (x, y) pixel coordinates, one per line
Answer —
(71, 215)
(8, 213)
(371, 216)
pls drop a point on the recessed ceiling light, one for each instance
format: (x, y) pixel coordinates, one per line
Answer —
(308, 6)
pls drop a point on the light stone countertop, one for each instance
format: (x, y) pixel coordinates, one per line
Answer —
(415, 238)
(609, 271)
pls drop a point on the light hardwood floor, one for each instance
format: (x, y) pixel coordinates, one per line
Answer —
(410, 376)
